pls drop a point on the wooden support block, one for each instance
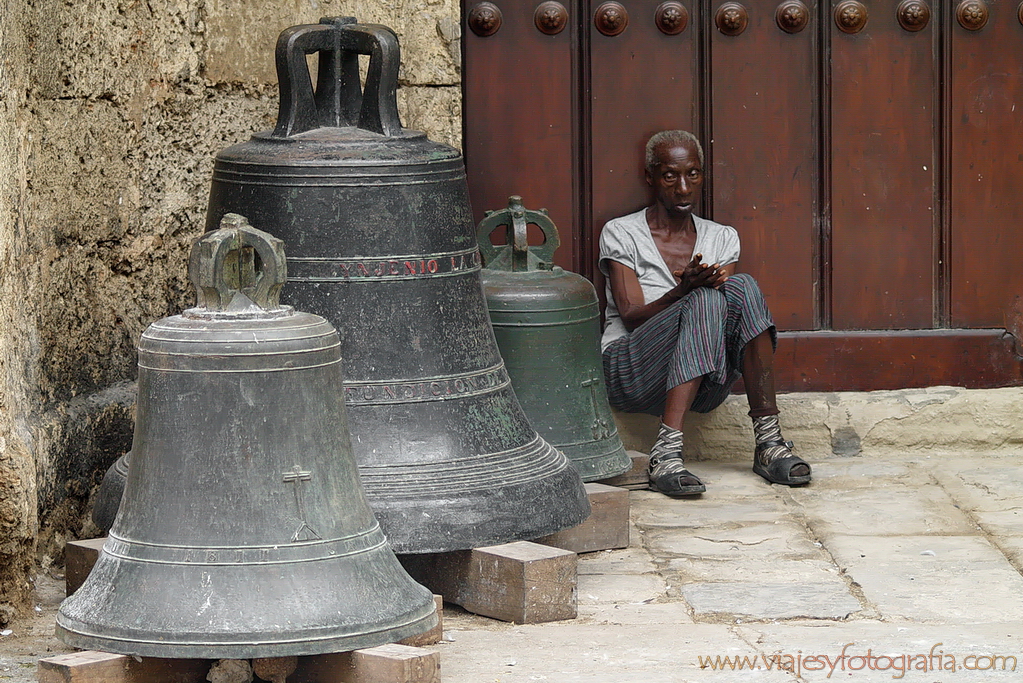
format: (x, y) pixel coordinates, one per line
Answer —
(521, 582)
(636, 478)
(84, 667)
(607, 526)
(435, 634)
(79, 557)
(394, 663)
(102, 667)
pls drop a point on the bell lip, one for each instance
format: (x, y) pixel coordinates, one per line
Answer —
(247, 645)
(406, 537)
(598, 466)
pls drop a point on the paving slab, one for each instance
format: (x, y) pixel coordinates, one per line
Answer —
(622, 561)
(589, 653)
(669, 513)
(754, 543)
(942, 653)
(644, 613)
(728, 480)
(762, 600)
(887, 509)
(954, 579)
(858, 472)
(612, 588)
(982, 485)
(704, 569)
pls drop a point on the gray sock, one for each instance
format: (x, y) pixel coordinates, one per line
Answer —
(669, 443)
(767, 429)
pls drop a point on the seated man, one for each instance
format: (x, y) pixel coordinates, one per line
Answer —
(682, 326)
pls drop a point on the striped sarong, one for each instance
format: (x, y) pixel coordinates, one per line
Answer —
(702, 334)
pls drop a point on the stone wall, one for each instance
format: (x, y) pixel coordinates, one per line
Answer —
(112, 112)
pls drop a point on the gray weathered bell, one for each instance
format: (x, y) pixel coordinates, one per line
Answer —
(243, 531)
(383, 245)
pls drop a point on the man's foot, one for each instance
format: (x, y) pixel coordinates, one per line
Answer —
(773, 459)
(667, 472)
(775, 462)
(670, 477)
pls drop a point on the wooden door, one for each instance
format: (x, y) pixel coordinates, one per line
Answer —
(868, 153)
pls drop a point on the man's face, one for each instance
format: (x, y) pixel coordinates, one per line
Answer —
(676, 178)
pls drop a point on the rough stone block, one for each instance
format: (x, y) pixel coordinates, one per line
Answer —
(636, 477)
(435, 634)
(607, 526)
(521, 582)
(79, 557)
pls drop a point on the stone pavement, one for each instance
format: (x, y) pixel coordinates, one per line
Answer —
(886, 558)
(910, 566)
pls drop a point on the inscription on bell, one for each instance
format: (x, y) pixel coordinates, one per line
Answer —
(435, 389)
(400, 268)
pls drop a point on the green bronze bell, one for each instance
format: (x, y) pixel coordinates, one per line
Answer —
(547, 323)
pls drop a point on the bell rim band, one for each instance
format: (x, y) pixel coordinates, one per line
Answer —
(522, 465)
(249, 648)
(287, 553)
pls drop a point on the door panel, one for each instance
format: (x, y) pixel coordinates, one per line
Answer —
(524, 144)
(987, 167)
(764, 150)
(641, 81)
(882, 174)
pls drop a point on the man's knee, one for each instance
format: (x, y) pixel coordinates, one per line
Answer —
(706, 298)
(742, 281)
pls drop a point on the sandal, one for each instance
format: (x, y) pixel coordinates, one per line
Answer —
(779, 470)
(670, 477)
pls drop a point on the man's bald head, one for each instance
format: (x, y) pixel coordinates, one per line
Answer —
(670, 138)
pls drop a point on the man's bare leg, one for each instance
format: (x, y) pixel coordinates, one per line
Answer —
(758, 376)
(678, 401)
(667, 472)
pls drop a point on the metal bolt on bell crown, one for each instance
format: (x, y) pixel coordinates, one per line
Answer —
(547, 323)
(382, 244)
(243, 531)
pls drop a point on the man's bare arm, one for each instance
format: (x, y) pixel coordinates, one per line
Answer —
(628, 294)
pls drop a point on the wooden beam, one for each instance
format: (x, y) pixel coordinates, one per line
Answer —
(896, 359)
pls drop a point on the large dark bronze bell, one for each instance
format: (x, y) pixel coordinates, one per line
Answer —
(243, 531)
(547, 323)
(382, 244)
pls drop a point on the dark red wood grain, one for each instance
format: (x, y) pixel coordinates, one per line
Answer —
(987, 167)
(764, 150)
(519, 119)
(883, 174)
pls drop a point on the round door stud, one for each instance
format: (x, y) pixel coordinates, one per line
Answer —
(792, 16)
(972, 14)
(611, 18)
(913, 14)
(671, 17)
(485, 19)
(850, 16)
(550, 17)
(731, 18)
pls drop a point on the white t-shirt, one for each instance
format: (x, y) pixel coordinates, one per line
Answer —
(628, 241)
